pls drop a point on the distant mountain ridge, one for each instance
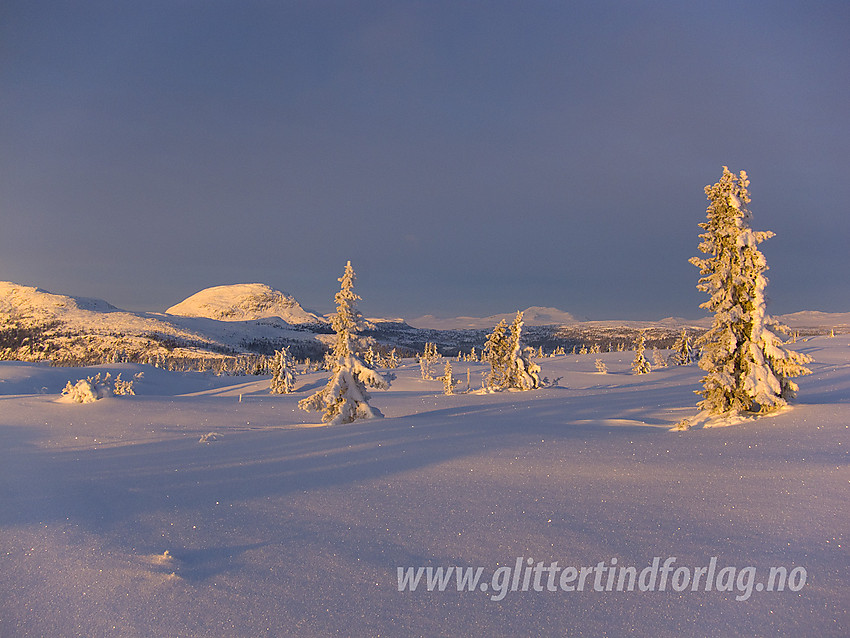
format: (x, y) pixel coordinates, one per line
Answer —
(245, 320)
(533, 316)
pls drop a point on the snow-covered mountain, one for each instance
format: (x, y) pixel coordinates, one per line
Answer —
(35, 324)
(244, 302)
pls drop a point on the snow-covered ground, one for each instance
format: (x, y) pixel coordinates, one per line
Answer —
(115, 520)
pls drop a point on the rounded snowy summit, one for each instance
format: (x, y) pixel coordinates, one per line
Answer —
(243, 302)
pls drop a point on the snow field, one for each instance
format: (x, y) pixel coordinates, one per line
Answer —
(279, 526)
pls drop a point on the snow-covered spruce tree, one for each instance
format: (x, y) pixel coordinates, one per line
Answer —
(523, 373)
(511, 366)
(392, 360)
(344, 398)
(428, 359)
(683, 350)
(640, 365)
(495, 353)
(283, 372)
(449, 382)
(749, 368)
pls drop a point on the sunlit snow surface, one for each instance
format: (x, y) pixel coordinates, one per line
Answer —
(117, 520)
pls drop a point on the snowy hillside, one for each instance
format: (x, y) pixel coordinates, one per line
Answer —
(116, 520)
(244, 302)
(36, 324)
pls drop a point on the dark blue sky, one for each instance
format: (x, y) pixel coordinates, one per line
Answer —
(468, 157)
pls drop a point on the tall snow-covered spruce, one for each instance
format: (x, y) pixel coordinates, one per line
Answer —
(345, 398)
(749, 367)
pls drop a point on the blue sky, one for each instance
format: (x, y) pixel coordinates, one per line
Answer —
(469, 158)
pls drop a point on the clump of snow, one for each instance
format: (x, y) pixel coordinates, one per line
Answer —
(83, 391)
(209, 437)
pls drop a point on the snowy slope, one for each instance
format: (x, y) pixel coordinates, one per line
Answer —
(116, 520)
(72, 327)
(244, 302)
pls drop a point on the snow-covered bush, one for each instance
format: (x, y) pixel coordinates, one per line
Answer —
(91, 389)
(749, 368)
(83, 391)
(601, 367)
(123, 388)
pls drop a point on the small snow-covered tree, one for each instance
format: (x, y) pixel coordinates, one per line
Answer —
(683, 350)
(345, 398)
(391, 361)
(123, 388)
(449, 382)
(601, 367)
(283, 372)
(749, 368)
(523, 372)
(640, 365)
(428, 359)
(658, 359)
(496, 352)
(511, 365)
